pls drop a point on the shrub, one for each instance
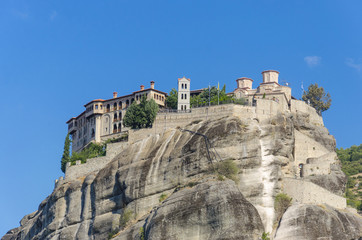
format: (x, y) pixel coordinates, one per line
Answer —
(162, 197)
(91, 151)
(142, 233)
(265, 236)
(228, 169)
(191, 184)
(125, 218)
(281, 204)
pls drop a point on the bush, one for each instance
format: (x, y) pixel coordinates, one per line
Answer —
(162, 197)
(125, 218)
(142, 233)
(281, 204)
(228, 169)
(265, 236)
(91, 151)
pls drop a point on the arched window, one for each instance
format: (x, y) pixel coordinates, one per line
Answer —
(182, 86)
(119, 127)
(127, 103)
(114, 106)
(120, 104)
(132, 100)
(137, 97)
(185, 86)
(108, 108)
(114, 128)
(182, 107)
(93, 133)
(185, 96)
(115, 117)
(120, 116)
(182, 96)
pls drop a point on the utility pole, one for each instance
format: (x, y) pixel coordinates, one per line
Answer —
(209, 95)
(218, 90)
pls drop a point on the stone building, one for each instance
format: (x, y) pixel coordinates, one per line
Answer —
(268, 89)
(103, 119)
(183, 101)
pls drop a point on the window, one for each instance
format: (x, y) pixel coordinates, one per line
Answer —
(120, 116)
(185, 86)
(114, 128)
(120, 105)
(185, 96)
(114, 106)
(115, 117)
(108, 107)
(119, 127)
(182, 96)
(182, 86)
(96, 106)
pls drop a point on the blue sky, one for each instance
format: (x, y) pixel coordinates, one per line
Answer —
(56, 56)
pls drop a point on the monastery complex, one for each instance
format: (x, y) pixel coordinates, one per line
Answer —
(103, 119)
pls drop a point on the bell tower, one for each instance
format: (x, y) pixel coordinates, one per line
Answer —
(183, 100)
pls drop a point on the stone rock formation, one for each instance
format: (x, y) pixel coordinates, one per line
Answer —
(164, 187)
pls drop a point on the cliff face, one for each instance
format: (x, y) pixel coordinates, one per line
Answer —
(163, 187)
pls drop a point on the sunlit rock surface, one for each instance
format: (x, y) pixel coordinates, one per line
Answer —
(176, 164)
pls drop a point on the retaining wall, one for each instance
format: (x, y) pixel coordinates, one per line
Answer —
(306, 147)
(94, 164)
(307, 192)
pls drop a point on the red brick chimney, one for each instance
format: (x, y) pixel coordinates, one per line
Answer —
(152, 85)
(142, 87)
(114, 94)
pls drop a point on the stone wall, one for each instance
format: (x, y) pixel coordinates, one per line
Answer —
(94, 164)
(306, 147)
(173, 120)
(309, 193)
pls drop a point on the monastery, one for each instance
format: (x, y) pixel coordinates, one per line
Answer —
(103, 119)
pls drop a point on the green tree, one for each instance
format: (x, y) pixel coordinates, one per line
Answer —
(210, 95)
(66, 153)
(171, 100)
(141, 115)
(317, 98)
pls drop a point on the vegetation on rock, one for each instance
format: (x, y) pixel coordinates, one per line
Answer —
(351, 159)
(66, 153)
(141, 115)
(125, 218)
(281, 204)
(162, 197)
(91, 151)
(317, 98)
(171, 100)
(226, 169)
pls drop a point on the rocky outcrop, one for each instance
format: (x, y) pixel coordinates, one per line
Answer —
(210, 210)
(318, 222)
(176, 164)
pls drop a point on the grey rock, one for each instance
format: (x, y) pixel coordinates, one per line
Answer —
(309, 222)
